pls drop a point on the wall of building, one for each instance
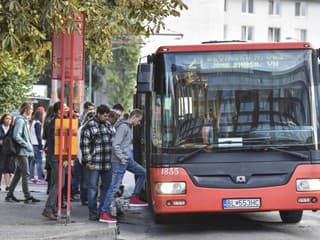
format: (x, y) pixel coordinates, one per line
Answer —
(206, 20)
(261, 20)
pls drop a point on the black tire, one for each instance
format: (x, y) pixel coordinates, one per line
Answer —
(291, 216)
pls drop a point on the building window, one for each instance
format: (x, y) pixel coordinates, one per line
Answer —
(301, 34)
(300, 9)
(247, 6)
(274, 7)
(273, 34)
(246, 33)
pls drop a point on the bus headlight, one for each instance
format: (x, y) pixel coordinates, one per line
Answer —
(304, 185)
(170, 188)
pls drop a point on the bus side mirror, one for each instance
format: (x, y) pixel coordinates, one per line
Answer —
(144, 78)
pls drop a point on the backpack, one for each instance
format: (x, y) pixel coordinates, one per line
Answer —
(9, 146)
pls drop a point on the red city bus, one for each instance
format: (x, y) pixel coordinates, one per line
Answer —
(231, 127)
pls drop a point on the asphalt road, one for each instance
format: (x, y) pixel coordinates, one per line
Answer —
(24, 221)
(138, 224)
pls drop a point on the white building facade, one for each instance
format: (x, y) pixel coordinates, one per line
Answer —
(248, 20)
(271, 20)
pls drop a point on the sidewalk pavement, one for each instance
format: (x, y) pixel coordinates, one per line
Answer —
(24, 221)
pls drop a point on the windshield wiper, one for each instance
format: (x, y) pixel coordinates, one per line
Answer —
(233, 146)
(292, 153)
(224, 142)
(190, 155)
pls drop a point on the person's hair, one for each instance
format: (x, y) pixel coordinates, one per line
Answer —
(102, 109)
(118, 106)
(113, 115)
(4, 116)
(86, 105)
(38, 115)
(49, 114)
(87, 117)
(56, 107)
(136, 112)
(24, 106)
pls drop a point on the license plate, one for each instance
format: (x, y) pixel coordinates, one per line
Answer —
(242, 203)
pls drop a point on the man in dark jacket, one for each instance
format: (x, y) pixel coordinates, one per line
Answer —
(96, 146)
(48, 135)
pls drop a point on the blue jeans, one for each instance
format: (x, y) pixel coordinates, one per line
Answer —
(83, 183)
(118, 171)
(37, 160)
(93, 180)
(75, 177)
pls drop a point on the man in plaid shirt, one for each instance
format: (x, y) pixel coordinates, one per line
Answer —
(96, 147)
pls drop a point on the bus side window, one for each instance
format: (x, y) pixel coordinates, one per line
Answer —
(167, 121)
(156, 121)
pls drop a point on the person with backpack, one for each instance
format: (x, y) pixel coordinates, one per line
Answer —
(22, 138)
(121, 162)
(50, 209)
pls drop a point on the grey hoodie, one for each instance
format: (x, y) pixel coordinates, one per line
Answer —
(122, 142)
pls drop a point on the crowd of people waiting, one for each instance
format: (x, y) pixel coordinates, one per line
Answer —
(105, 153)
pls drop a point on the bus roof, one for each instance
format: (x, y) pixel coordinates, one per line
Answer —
(233, 46)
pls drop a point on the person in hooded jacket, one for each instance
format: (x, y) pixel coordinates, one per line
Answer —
(121, 162)
(21, 135)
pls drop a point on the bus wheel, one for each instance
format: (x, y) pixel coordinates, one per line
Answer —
(291, 216)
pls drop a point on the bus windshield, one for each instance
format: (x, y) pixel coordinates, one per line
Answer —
(237, 99)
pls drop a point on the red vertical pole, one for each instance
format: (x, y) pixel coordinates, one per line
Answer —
(63, 40)
(70, 124)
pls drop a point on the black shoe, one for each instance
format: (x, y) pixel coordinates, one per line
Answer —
(93, 216)
(7, 188)
(75, 198)
(49, 215)
(11, 198)
(31, 200)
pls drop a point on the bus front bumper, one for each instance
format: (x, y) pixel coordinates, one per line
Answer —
(174, 192)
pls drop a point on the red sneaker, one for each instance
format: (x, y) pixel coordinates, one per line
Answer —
(136, 202)
(106, 218)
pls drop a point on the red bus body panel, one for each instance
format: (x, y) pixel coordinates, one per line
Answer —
(204, 199)
(200, 199)
(211, 47)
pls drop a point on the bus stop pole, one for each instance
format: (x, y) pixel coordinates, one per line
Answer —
(70, 132)
(63, 41)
